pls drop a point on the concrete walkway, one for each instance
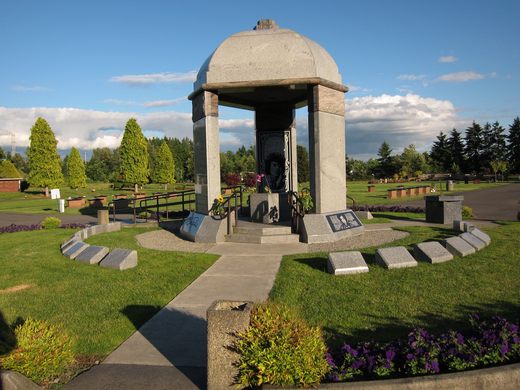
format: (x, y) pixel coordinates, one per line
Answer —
(169, 351)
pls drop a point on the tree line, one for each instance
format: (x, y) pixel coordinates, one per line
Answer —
(137, 161)
(480, 150)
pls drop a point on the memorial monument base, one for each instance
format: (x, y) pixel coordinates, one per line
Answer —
(330, 227)
(203, 228)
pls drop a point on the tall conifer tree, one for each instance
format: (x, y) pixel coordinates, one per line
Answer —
(513, 148)
(163, 168)
(76, 170)
(474, 143)
(134, 155)
(44, 160)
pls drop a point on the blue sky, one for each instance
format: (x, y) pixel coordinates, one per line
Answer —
(414, 68)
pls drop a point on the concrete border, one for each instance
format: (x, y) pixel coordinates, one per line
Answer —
(505, 377)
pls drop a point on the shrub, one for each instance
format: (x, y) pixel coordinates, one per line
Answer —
(43, 352)
(280, 349)
(250, 179)
(467, 212)
(232, 179)
(51, 223)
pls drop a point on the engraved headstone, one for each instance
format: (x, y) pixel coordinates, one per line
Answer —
(475, 242)
(344, 263)
(432, 252)
(458, 247)
(75, 249)
(481, 236)
(395, 257)
(343, 221)
(120, 259)
(93, 254)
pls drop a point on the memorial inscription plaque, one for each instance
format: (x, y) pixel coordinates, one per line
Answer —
(343, 221)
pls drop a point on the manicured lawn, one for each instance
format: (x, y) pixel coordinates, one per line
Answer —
(99, 307)
(358, 191)
(33, 201)
(384, 304)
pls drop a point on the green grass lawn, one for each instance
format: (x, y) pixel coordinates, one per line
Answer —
(33, 201)
(99, 307)
(359, 191)
(385, 304)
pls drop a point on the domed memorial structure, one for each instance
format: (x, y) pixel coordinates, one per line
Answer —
(273, 71)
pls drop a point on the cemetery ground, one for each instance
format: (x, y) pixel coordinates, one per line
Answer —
(101, 308)
(386, 304)
(98, 307)
(33, 201)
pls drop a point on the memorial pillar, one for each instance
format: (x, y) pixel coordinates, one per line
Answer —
(206, 150)
(327, 149)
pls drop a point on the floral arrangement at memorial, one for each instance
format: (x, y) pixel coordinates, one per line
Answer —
(488, 342)
(218, 206)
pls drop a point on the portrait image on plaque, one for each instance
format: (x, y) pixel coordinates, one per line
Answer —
(273, 147)
(343, 221)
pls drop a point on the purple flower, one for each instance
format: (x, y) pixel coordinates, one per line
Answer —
(390, 354)
(504, 349)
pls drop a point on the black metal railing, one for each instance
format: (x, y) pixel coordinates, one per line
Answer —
(228, 209)
(157, 202)
(353, 202)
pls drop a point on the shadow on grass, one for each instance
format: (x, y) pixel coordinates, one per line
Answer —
(179, 336)
(392, 328)
(7, 336)
(317, 263)
(377, 214)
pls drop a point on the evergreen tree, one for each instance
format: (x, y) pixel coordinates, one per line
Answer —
(2, 154)
(76, 170)
(497, 143)
(473, 148)
(134, 155)
(440, 154)
(302, 156)
(513, 148)
(7, 169)
(19, 162)
(456, 151)
(386, 162)
(44, 161)
(163, 167)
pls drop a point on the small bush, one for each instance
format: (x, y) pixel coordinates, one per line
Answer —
(250, 179)
(51, 223)
(467, 212)
(280, 349)
(43, 352)
(232, 179)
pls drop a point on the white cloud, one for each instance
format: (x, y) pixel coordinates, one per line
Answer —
(355, 88)
(155, 78)
(448, 59)
(400, 120)
(460, 77)
(88, 129)
(26, 88)
(164, 103)
(411, 77)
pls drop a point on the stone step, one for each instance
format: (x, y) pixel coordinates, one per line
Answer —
(267, 239)
(262, 230)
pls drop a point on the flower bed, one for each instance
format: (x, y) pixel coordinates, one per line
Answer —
(488, 343)
(26, 228)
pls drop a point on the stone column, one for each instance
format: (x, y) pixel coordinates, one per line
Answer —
(327, 149)
(207, 150)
